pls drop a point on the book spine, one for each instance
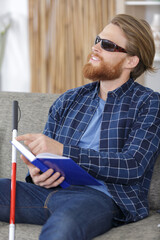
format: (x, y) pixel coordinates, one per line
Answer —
(40, 165)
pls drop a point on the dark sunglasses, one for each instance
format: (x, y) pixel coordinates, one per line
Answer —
(109, 46)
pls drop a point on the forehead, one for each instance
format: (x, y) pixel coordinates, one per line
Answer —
(115, 34)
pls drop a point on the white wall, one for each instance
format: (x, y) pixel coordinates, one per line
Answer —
(15, 70)
(153, 80)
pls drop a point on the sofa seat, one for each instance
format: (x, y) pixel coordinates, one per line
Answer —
(145, 229)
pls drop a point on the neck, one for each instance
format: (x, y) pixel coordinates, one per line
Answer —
(110, 85)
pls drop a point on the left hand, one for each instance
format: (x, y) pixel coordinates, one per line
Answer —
(39, 143)
(48, 179)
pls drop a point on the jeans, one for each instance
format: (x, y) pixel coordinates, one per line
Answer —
(77, 212)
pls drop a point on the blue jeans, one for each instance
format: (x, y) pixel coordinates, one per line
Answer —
(77, 212)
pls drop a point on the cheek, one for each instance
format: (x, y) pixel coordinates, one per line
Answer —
(109, 58)
(112, 58)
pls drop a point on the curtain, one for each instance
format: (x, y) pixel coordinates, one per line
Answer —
(61, 34)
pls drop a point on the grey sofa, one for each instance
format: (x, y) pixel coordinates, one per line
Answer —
(34, 110)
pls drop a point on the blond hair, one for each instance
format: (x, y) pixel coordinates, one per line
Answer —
(140, 41)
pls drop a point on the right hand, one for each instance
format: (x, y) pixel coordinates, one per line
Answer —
(46, 179)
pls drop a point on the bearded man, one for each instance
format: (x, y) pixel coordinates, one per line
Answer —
(111, 128)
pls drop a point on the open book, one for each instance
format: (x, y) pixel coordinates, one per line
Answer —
(73, 173)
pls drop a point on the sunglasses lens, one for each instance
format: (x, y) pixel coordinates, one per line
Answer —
(107, 45)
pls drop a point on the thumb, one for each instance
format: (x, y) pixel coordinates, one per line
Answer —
(30, 166)
(26, 161)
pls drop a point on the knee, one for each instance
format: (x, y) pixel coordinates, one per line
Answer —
(62, 226)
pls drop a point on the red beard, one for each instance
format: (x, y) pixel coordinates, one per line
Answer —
(104, 71)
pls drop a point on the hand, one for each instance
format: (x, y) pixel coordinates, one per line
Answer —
(46, 179)
(39, 143)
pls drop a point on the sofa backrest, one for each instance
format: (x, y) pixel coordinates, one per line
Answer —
(34, 112)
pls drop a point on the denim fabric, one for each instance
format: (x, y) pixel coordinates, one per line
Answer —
(77, 212)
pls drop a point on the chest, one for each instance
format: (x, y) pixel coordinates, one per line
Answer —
(117, 121)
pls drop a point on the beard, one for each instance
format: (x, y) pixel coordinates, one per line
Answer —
(104, 71)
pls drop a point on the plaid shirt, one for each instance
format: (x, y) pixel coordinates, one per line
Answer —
(129, 139)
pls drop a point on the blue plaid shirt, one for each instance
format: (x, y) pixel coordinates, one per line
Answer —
(129, 139)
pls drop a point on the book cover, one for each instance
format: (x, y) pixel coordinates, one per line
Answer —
(73, 173)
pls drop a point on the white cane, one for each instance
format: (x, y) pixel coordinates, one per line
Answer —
(13, 174)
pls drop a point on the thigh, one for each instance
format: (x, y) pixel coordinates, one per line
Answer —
(81, 213)
(30, 201)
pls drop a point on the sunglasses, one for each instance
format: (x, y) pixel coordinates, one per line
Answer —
(109, 46)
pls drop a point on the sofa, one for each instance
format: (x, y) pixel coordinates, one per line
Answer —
(34, 110)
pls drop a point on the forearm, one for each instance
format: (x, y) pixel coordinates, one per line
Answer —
(138, 154)
(121, 168)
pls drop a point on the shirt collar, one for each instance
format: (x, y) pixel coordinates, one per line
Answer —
(122, 90)
(118, 92)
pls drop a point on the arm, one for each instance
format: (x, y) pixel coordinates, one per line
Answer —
(138, 154)
(44, 144)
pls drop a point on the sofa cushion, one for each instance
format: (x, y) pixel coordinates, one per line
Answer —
(34, 111)
(145, 229)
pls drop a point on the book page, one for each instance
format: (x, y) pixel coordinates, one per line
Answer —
(50, 155)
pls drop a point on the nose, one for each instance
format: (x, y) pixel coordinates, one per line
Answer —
(96, 47)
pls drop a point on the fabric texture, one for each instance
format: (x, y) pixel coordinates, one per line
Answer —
(91, 138)
(68, 214)
(129, 139)
(34, 109)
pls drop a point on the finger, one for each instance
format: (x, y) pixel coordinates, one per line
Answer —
(50, 179)
(35, 172)
(35, 147)
(26, 161)
(28, 136)
(40, 179)
(27, 142)
(53, 181)
(31, 141)
(56, 183)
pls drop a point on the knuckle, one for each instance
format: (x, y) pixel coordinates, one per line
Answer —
(28, 135)
(34, 171)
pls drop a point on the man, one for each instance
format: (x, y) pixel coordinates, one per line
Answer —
(111, 128)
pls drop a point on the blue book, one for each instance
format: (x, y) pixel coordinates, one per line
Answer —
(71, 171)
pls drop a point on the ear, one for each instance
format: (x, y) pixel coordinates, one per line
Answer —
(132, 62)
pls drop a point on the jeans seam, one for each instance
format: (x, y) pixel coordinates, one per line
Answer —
(47, 200)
